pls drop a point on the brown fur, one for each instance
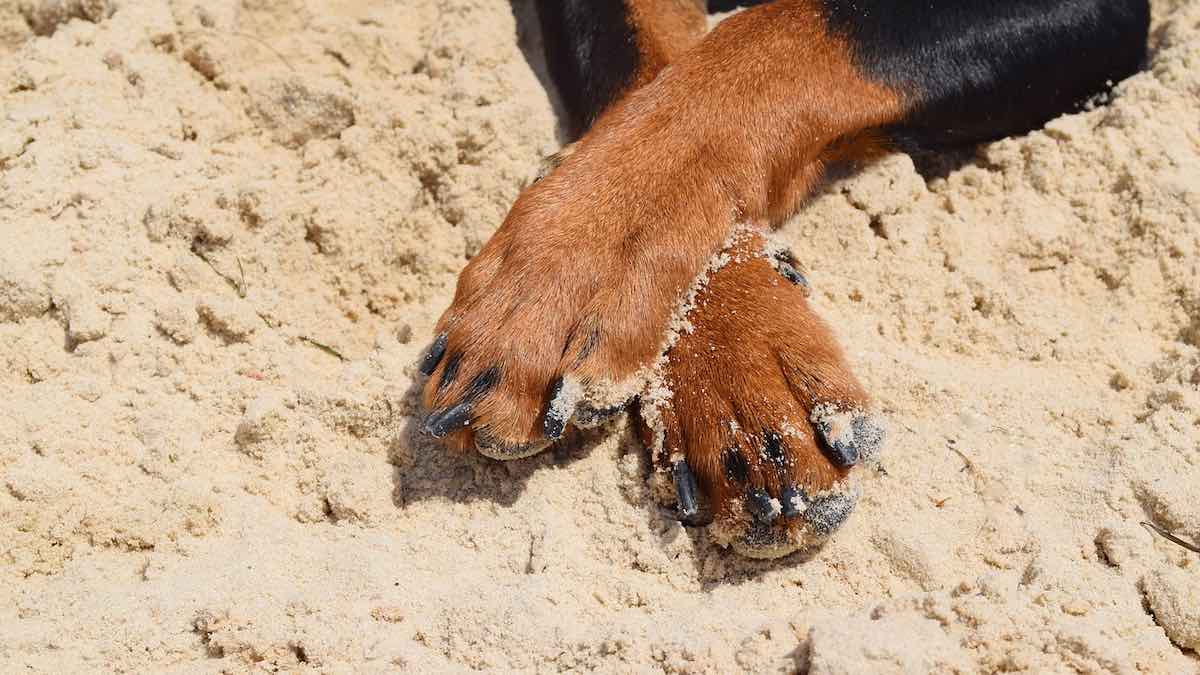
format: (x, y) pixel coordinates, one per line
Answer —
(665, 29)
(757, 359)
(583, 273)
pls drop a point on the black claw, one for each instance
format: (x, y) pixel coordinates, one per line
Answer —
(685, 490)
(434, 355)
(827, 514)
(843, 453)
(451, 370)
(794, 501)
(787, 267)
(441, 422)
(553, 426)
(793, 275)
(762, 507)
(555, 421)
(736, 468)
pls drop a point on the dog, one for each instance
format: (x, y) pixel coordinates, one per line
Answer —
(692, 142)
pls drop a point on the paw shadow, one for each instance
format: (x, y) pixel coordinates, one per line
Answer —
(423, 470)
(940, 164)
(529, 40)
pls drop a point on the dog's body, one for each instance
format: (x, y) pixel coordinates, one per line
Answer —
(685, 134)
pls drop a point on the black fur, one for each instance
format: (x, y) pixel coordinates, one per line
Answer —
(591, 52)
(983, 69)
(974, 70)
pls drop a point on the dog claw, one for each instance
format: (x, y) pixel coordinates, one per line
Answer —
(794, 501)
(793, 275)
(434, 355)
(685, 490)
(555, 421)
(764, 509)
(554, 427)
(785, 263)
(441, 422)
(823, 515)
(851, 438)
(843, 451)
(844, 454)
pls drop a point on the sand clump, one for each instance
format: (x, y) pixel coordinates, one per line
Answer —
(195, 196)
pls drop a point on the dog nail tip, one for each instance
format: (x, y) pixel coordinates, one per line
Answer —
(685, 490)
(427, 429)
(842, 453)
(845, 455)
(793, 500)
(555, 421)
(764, 509)
(793, 275)
(434, 355)
(441, 422)
(553, 427)
(785, 263)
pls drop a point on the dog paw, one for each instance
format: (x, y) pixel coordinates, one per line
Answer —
(754, 419)
(558, 319)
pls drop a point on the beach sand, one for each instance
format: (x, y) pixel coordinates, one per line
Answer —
(226, 230)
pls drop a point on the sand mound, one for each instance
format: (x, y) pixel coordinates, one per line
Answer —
(229, 226)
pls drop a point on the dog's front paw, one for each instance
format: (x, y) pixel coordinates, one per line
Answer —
(755, 420)
(562, 312)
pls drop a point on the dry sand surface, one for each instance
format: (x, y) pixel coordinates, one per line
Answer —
(196, 197)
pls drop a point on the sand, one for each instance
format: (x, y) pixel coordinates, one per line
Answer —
(228, 228)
